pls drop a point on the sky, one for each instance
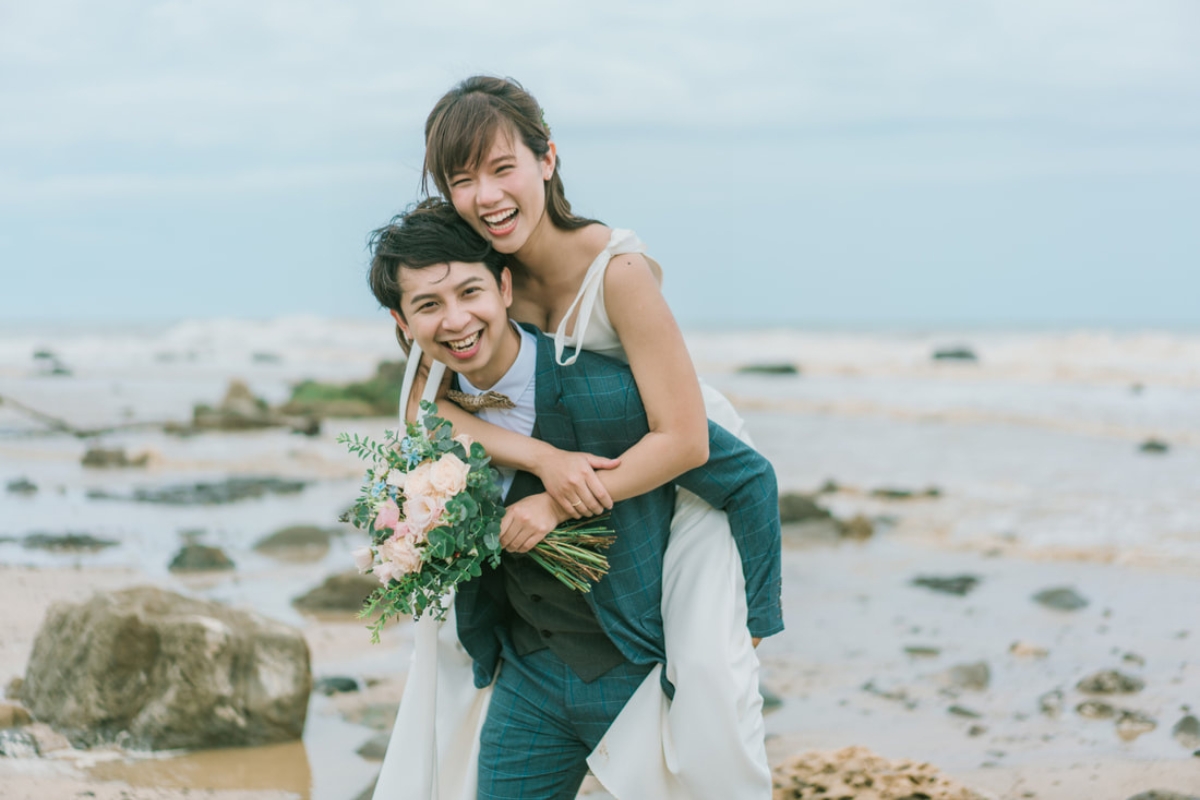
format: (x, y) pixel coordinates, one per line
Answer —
(788, 162)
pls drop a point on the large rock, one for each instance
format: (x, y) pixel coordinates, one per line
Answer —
(152, 669)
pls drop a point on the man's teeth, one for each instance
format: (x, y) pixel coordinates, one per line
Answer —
(465, 344)
(499, 218)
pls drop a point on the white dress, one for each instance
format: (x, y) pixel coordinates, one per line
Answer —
(707, 743)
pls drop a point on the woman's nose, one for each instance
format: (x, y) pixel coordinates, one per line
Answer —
(489, 192)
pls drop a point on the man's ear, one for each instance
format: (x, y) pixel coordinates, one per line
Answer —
(506, 287)
(400, 323)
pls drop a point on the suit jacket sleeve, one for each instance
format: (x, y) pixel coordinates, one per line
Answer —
(740, 481)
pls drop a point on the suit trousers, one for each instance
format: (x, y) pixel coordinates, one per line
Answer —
(542, 723)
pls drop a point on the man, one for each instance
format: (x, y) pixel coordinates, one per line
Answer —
(568, 662)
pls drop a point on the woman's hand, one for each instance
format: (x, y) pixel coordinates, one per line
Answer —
(527, 521)
(570, 479)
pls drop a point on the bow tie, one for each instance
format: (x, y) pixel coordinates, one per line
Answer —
(477, 402)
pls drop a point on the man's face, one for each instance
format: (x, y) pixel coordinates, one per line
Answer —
(458, 314)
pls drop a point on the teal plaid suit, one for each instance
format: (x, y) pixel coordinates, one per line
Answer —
(594, 406)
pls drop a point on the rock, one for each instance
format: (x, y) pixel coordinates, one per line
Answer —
(854, 771)
(334, 684)
(378, 396)
(101, 458)
(377, 716)
(1095, 709)
(975, 676)
(66, 542)
(1109, 681)
(769, 369)
(1163, 794)
(1051, 703)
(13, 690)
(858, 528)
(1134, 658)
(893, 493)
(369, 792)
(958, 353)
(963, 711)
(200, 558)
(155, 670)
(976, 730)
(1187, 732)
(238, 410)
(1132, 724)
(1154, 446)
(17, 743)
(796, 507)
(297, 543)
(375, 748)
(227, 491)
(771, 701)
(21, 486)
(1062, 598)
(344, 591)
(1027, 650)
(46, 738)
(922, 651)
(13, 716)
(959, 585)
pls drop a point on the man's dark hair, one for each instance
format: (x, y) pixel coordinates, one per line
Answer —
(429, 233)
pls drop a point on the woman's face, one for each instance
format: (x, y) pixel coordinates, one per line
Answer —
(504, 196)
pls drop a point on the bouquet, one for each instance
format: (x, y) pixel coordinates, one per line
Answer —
(431, 505)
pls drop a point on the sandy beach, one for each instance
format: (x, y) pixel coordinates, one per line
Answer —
(1033, 453)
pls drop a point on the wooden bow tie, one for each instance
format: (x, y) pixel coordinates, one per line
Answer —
(477, 402)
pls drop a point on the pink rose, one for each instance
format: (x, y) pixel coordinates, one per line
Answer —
(409, 531)
(363, 558)
(388, 516)
(401, 554)
(449, 475)
(422, 511)
(417, 481)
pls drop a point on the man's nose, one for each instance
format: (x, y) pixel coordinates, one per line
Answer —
(457, 317)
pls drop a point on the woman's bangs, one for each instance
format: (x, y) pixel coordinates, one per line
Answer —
(461, 138)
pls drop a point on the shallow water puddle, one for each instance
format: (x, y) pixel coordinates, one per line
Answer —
(272, 767)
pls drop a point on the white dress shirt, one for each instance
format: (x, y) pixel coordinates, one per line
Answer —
(519, 385)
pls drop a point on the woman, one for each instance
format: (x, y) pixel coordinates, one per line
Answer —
(490, 154)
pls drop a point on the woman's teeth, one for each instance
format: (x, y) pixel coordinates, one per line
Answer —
(462, 345)
(497, 220)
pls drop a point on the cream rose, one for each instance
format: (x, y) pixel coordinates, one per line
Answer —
(449, 475)
(417, 482)
(422, 512)
(363, 558)
(401, 554)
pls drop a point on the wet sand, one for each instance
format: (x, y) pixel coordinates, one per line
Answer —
(1042, 485)
(851, 611)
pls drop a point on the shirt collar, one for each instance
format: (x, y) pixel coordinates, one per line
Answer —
(514, 382)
